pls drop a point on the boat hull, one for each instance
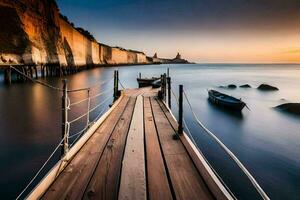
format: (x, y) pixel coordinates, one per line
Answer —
(238, 105)
(144, 82)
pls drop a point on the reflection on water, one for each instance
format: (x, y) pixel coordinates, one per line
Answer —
(231, 113)
(266, 141)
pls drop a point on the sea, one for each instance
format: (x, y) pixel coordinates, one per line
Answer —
(265, 139)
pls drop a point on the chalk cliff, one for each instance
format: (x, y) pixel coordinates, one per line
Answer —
(33, 31)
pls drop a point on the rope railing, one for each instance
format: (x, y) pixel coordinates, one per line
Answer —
(40, 170)
(66, 124)
(227, 151)
(100, 83)
(121, 84)
(79, 134)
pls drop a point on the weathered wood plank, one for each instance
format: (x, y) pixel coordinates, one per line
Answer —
(207, 173)
(105, 181)
(158, 185)
(186, 180)
(72, 182)
(133, 176)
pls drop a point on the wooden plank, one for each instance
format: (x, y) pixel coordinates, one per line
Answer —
(157, 181)
(133, 176)
(72, 182)
(105, 181)
(186, 180)
(203, 166)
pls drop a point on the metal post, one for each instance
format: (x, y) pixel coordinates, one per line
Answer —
(169, 91)
(115, 84)
(180, 114)
(88, 110)
(65, 132)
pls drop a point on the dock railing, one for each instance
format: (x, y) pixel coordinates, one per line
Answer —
(69, 140)
(183, 125)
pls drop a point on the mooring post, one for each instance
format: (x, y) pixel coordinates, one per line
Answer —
(7, 75)
(168, 72)
(65, 126)
(169, 91)
(140, 75)
(116, 83)
(88, 110)
(180, 114)
(161, 95)
(165, 86)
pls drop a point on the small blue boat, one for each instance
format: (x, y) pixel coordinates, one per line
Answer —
(225, 100)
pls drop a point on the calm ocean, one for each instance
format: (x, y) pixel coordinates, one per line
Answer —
(265, 140)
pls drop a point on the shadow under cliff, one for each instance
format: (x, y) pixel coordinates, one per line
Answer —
(13, 38)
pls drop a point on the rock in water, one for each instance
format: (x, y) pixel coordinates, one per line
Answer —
(266, 87)
(231, 86)
(293, 108)
(245, 86)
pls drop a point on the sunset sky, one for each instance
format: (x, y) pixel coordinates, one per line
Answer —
(204, 31)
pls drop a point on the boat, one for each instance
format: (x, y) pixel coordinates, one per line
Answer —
(225, 100)
(145, 82)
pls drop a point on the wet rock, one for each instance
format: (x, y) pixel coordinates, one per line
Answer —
(231, 86)
(245, 86)
(266, 87)
(293, 108)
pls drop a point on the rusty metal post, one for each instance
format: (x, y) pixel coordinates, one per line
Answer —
(180, 114)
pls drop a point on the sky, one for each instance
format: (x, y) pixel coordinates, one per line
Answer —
(203, 31)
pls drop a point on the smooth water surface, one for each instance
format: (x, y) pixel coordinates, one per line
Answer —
(264, 139)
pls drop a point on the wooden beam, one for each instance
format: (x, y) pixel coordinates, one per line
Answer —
(186, 180)
(106, 178)
(133, 178)
(156, 172)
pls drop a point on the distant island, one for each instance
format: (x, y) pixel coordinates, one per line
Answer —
(35, 32)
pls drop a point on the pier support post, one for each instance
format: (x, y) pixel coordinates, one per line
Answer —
(169, 91)
(88, 110)
(168, 72)
(7, 76)
(180, 114)
(161, 92)
(116, 84)
(165, 86)
(65, 126)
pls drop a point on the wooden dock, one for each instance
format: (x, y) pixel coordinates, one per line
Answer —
(133, 154)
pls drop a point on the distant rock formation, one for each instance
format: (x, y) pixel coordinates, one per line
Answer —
(245, 86)
(176, 60)
(266, 87)
(178, 56)
(293, 108)
(231, 86)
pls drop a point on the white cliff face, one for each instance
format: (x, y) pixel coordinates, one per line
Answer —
(35, 33)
